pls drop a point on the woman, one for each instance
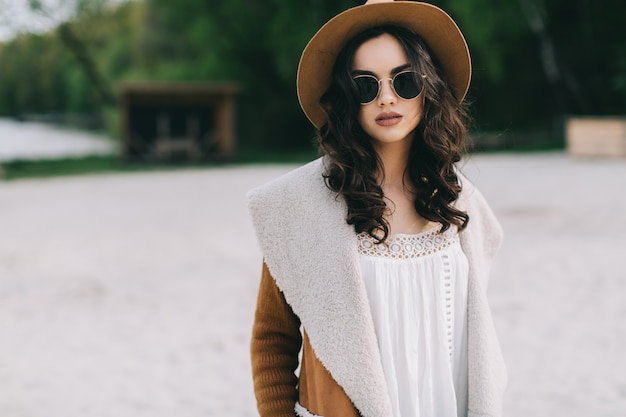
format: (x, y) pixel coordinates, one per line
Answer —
(377, 255)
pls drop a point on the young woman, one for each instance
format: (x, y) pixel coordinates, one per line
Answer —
(377, 255)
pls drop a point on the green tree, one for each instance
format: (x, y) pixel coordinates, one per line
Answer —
(538, 60)
(73, 68)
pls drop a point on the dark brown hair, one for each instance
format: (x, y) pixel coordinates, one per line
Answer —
(438, 144)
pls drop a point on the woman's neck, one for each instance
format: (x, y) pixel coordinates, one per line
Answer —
(394, 158)
(401, 215)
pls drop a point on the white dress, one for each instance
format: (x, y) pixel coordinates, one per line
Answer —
(417, 289)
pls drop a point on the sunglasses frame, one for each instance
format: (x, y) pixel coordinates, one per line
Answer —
(392, 79)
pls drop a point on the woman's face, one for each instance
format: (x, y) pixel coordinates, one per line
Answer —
(388, 119)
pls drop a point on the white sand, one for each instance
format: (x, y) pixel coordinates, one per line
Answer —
(132, 295)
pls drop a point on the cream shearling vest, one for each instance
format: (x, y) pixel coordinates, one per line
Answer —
(311, 252)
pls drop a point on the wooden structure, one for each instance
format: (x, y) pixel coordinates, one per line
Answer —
(177, 121)
(596, 136)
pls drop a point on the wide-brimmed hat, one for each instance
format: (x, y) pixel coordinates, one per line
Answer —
(432, 24)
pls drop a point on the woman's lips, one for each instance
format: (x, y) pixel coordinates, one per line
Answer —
(388, 119)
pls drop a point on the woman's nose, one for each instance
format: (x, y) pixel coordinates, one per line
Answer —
(386, 94)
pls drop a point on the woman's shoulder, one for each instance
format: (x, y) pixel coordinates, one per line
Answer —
(293, 177)
(470, 194)
(483, 222)
(305, 180)
(289, 207)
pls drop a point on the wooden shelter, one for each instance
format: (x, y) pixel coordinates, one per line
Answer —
(177, 121)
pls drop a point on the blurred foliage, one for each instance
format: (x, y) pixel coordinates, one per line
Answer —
(537, 61)
(534, 61)
(40, 74)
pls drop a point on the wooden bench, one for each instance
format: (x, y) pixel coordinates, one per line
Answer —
(596, 136)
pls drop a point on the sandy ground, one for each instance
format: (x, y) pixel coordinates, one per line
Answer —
(132, 295)
(30, 140)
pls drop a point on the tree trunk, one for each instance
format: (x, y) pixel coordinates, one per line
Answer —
(88, 64)
(565, 86)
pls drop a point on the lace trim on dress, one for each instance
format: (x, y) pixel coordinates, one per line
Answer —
(408, 246)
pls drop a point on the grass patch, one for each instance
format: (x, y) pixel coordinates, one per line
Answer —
(256, 156)
(13, 170)
(44, 168)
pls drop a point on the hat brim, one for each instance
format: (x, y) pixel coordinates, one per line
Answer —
(431, 23)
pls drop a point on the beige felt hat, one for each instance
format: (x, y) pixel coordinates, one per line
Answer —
(431, 23)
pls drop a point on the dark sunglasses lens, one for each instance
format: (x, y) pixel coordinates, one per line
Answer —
(367, 87)
(407, 85)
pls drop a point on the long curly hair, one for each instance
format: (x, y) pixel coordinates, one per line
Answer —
(353, 164)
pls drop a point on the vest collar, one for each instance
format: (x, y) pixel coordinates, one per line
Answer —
(311, 252)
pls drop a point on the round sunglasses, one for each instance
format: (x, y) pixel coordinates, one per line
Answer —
(406, 85)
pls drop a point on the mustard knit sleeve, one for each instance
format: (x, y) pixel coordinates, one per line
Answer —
(276, 342)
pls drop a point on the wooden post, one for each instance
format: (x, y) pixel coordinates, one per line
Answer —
(226, 124)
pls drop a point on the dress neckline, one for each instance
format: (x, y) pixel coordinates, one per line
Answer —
(409, 245)
(432, 230)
